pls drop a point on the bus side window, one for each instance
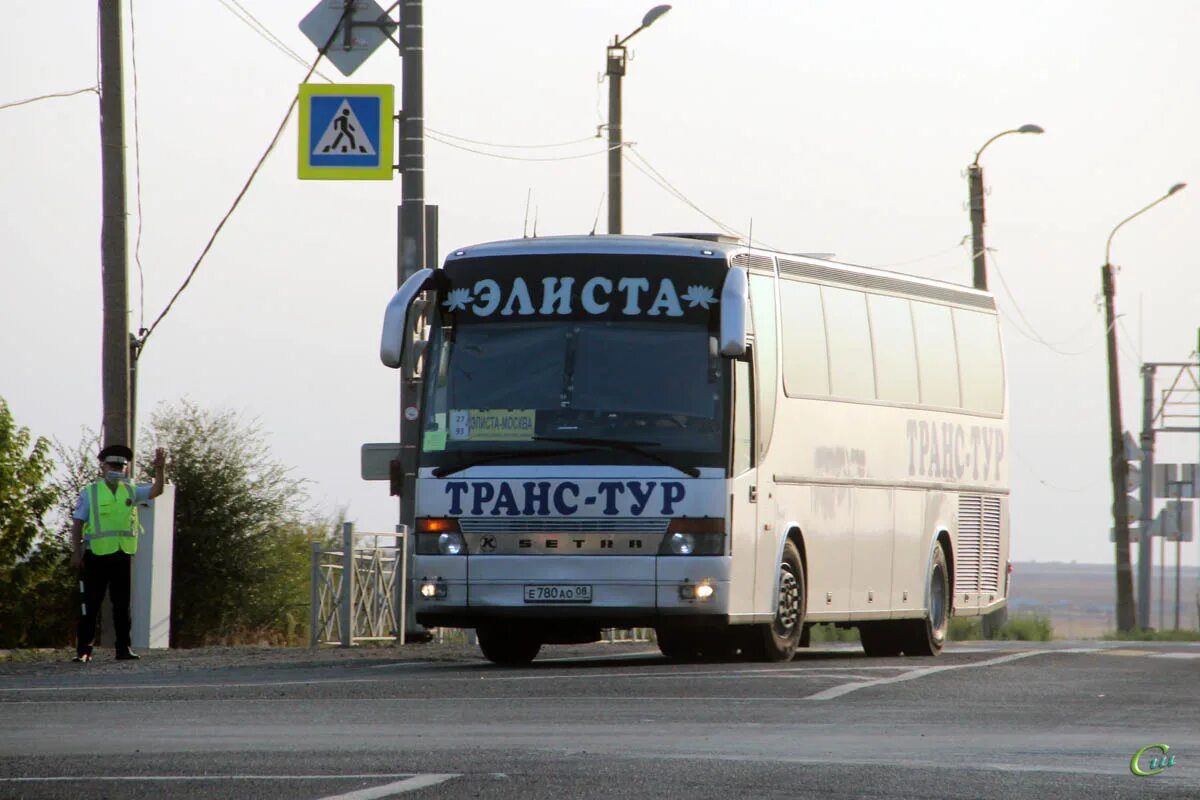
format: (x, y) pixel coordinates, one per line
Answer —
(743, 418)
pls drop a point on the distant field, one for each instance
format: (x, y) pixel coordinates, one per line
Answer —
(1080, 599)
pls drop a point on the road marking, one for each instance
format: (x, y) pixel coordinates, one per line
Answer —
(399, 787)
(64, 778)
(1128, 652)
(1176, 655)
(838, 691)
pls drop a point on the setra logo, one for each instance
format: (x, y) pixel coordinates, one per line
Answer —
(1156, 764)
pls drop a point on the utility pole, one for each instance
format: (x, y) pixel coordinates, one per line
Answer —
(616, 57)
(1118, 464)
(115, 348)
(978, 248)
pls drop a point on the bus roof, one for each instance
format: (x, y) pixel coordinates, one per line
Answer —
(717, 246)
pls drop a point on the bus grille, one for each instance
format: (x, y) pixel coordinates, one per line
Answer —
(977, 559)
(561, 525)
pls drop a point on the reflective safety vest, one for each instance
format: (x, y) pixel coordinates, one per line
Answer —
(112, 522)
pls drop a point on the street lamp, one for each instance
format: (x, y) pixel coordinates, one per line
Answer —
(615, 71)
(1117, 462)
(975, 180)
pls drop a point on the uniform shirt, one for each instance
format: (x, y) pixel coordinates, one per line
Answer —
(83, 506)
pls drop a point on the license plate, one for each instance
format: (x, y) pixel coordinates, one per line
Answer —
(558, 593)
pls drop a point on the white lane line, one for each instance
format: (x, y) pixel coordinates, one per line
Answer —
(56, 778)
(1176, 655)
(391, 789)
(838, 691)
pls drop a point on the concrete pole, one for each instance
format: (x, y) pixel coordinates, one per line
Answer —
(978, 249)
(1118, 464)
(615, 71)
(113, 235)
(1146, 495)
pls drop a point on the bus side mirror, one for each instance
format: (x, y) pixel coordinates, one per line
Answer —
(398, 318)
(735, 296)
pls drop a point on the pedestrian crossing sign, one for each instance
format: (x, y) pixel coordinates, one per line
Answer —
(345, 132)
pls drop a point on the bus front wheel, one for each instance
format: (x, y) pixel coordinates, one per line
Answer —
(507, 646)
(927, 637)
(778, 640)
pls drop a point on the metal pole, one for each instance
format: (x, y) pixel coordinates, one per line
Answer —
(115, 346)
(615, 71)
(978, 249)
(1178, 550)
(314, 597)
(1146, 495)
(346, 598)
(412, 256)
(1119, 467)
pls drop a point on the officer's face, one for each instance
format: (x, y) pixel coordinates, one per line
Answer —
(112, 467)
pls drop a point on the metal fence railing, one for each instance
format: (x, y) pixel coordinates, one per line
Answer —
(358, 591)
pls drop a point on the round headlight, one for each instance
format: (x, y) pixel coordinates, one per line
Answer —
(683, 544)
(450, 544)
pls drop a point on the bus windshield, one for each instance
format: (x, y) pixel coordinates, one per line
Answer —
(547, 390)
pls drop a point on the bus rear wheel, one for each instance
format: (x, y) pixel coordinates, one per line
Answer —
(927, 637)
(507, 646)
(778, 640)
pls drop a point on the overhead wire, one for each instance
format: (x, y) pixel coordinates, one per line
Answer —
(93, 89)
(506, 157)
(509, 146)
(237, 200)
(254, 24)
(1033, 334)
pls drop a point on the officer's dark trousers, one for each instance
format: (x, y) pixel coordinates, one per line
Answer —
(102, 573)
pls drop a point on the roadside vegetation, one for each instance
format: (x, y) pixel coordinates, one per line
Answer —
(1022, 627)
(1151, 635)
(243, 528)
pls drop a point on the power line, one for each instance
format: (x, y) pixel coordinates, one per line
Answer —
(661, 181)
(94, 89)
(509, 146)
(253, 23)
(1033, 332)
(457, 146)
(253, 174)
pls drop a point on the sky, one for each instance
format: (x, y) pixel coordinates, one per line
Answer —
(827, 126)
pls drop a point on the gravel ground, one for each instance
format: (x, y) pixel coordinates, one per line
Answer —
(50, 662)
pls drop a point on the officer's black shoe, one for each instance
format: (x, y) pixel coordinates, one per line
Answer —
(127, 655)
(82, 658)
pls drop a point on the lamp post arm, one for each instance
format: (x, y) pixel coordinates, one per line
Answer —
(975, 163)
(1108, 244)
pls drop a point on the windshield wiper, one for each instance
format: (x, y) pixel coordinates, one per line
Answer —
(450, 469)
(625, 446)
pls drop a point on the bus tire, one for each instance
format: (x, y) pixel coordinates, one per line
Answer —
(881, 639)
(778, 640)
(927, 637)
(509, 647)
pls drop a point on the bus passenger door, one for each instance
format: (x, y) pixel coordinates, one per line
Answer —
(743, 520)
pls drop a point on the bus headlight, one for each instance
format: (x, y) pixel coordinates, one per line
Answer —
(440, 536)
(433, 589)
(682, 544)
(450, 543)
(694, 536)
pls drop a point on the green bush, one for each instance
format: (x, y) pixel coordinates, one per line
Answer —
(1151, 635)
(1023, 628)
(828, 632)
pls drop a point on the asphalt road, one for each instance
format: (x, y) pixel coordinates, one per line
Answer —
(987, 720)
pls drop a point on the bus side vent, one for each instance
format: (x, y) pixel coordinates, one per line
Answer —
(977, 557)
(883, 283)
(754, 261)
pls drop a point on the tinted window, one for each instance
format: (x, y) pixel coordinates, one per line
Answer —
(851, 371)
(979, 361)
(936, 360)
(805, 357)
(895, 349)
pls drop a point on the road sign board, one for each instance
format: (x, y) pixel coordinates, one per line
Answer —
(1132, 451)
(1175, 481)
(370, 27)
(375, 460)
(1175, 521)
(345, 132)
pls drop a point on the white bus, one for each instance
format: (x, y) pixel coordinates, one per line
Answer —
(722, 443)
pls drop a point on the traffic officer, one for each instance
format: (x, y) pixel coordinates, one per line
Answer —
(104, 535)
